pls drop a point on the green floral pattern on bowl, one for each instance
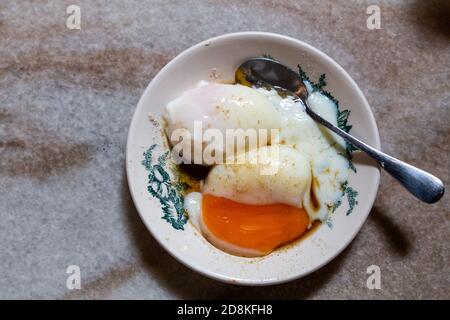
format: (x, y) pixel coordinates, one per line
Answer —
(167, 191)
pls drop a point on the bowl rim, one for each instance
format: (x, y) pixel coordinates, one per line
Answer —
(232, 36)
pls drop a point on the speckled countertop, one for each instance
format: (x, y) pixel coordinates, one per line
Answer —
(67, 98)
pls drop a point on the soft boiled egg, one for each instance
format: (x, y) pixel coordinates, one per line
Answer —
(272, 193)
(252, 208)
(220, 107)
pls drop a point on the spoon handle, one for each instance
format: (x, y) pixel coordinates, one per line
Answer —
(421, 184)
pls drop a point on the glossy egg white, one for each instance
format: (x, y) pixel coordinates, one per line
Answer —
(219, 106)
(267, 175)
(324, 149)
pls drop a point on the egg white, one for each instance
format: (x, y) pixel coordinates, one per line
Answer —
(324, 149)
(219, 106)
(267, 175)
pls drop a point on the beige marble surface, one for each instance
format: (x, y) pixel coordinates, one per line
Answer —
(67, 97)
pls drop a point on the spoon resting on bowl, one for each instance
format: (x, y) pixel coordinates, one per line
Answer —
(265, 71)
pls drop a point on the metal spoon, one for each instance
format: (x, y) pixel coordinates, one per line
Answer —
(265, 71)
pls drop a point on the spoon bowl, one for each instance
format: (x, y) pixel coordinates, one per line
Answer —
(260, 71)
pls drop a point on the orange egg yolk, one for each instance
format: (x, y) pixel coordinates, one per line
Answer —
(259, 227)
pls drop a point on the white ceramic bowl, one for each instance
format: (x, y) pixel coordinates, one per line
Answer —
(217, 59)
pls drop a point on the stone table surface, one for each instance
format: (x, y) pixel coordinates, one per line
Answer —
(67, 98)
